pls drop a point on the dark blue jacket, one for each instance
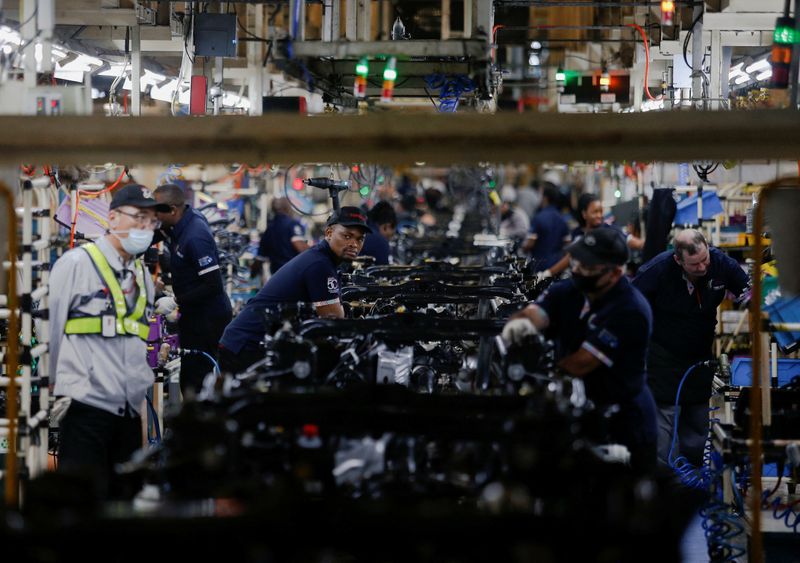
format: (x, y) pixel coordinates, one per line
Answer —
(310, 277)
(276, 242)
(615, 329)
(193, 256)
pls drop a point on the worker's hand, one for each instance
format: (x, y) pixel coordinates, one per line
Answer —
(59, 409)
(168, 307)
(516, 330)
(541, 276)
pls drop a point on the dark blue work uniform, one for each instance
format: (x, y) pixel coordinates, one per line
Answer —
(376, 245)
(204, 306)
(310, 277)
(550, 229)
(684, 318)
(276, 242)
(615, 329)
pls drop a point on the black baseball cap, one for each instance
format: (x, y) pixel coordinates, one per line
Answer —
(349, 217)
(137, 196)
(603, 245)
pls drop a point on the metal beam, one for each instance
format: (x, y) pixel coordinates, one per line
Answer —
(751, 21)
(103, 16)
(475, 48)
(394, 138)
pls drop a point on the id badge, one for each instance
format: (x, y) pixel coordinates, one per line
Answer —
(109, 325)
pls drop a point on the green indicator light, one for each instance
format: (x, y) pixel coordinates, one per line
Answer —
(785, 32)
(390, 74)
(492, 184)
(364, 191)
(561, 76)
(784, 36)
(381, 179)
(362, 68)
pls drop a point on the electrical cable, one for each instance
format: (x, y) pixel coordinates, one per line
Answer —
(686, 40)
(156, 426)
(689, 475)
(646, 58)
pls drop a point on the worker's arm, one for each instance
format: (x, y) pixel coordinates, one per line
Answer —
(560, 266)
(635, 243)
(579, 363)
(298, 237)
(535, 314)
(333, 311)
(300, 245)
(201, 251)
(322, 284)
(529, 243)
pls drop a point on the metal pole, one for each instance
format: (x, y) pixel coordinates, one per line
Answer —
(697, 53)
(136, 70)
(795, 65)
(11, 476)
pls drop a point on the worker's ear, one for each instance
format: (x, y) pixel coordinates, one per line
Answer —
(328, 232)
(677, 260)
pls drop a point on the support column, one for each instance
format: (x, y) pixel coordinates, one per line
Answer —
(717, 71)
(697, 54)
(255, 70)
(351, 20)
(27, 10)
(136, 70)
(445, 26)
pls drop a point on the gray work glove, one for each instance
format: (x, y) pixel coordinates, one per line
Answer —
(59, 409)
(516, 330)
(168, 307)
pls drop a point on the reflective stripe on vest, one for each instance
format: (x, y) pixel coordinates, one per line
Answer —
(125, 324)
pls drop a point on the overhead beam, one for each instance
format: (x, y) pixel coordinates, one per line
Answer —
(398, 138)
(423, 48)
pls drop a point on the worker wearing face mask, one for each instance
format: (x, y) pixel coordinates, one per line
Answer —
(101, 297)
(601, 325)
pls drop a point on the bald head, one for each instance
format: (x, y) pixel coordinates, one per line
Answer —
(282, 205)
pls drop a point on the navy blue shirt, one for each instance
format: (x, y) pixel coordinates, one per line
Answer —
(685, 314)
(376, 245)
(615, 329)
(684, 318)
(550, 229)
(310, 277)
(276, 242)
(193, 254)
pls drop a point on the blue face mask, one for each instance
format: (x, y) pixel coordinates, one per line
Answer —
(137, 241)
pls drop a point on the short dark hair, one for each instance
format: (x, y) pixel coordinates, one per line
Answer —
(691, 247)
(173, 194)
(583, 204)
(550, 191)
(382, 213)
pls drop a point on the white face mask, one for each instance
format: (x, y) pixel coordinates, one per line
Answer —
(137, 241)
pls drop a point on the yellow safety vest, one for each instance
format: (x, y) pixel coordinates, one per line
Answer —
(125, 324)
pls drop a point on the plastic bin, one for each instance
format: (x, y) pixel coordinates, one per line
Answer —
(686, 213)
(785, 310)
(742, 371)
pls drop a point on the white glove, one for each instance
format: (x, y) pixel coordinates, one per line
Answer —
(516, 330)
(168, 307)
(59, 409)
(541, 276)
